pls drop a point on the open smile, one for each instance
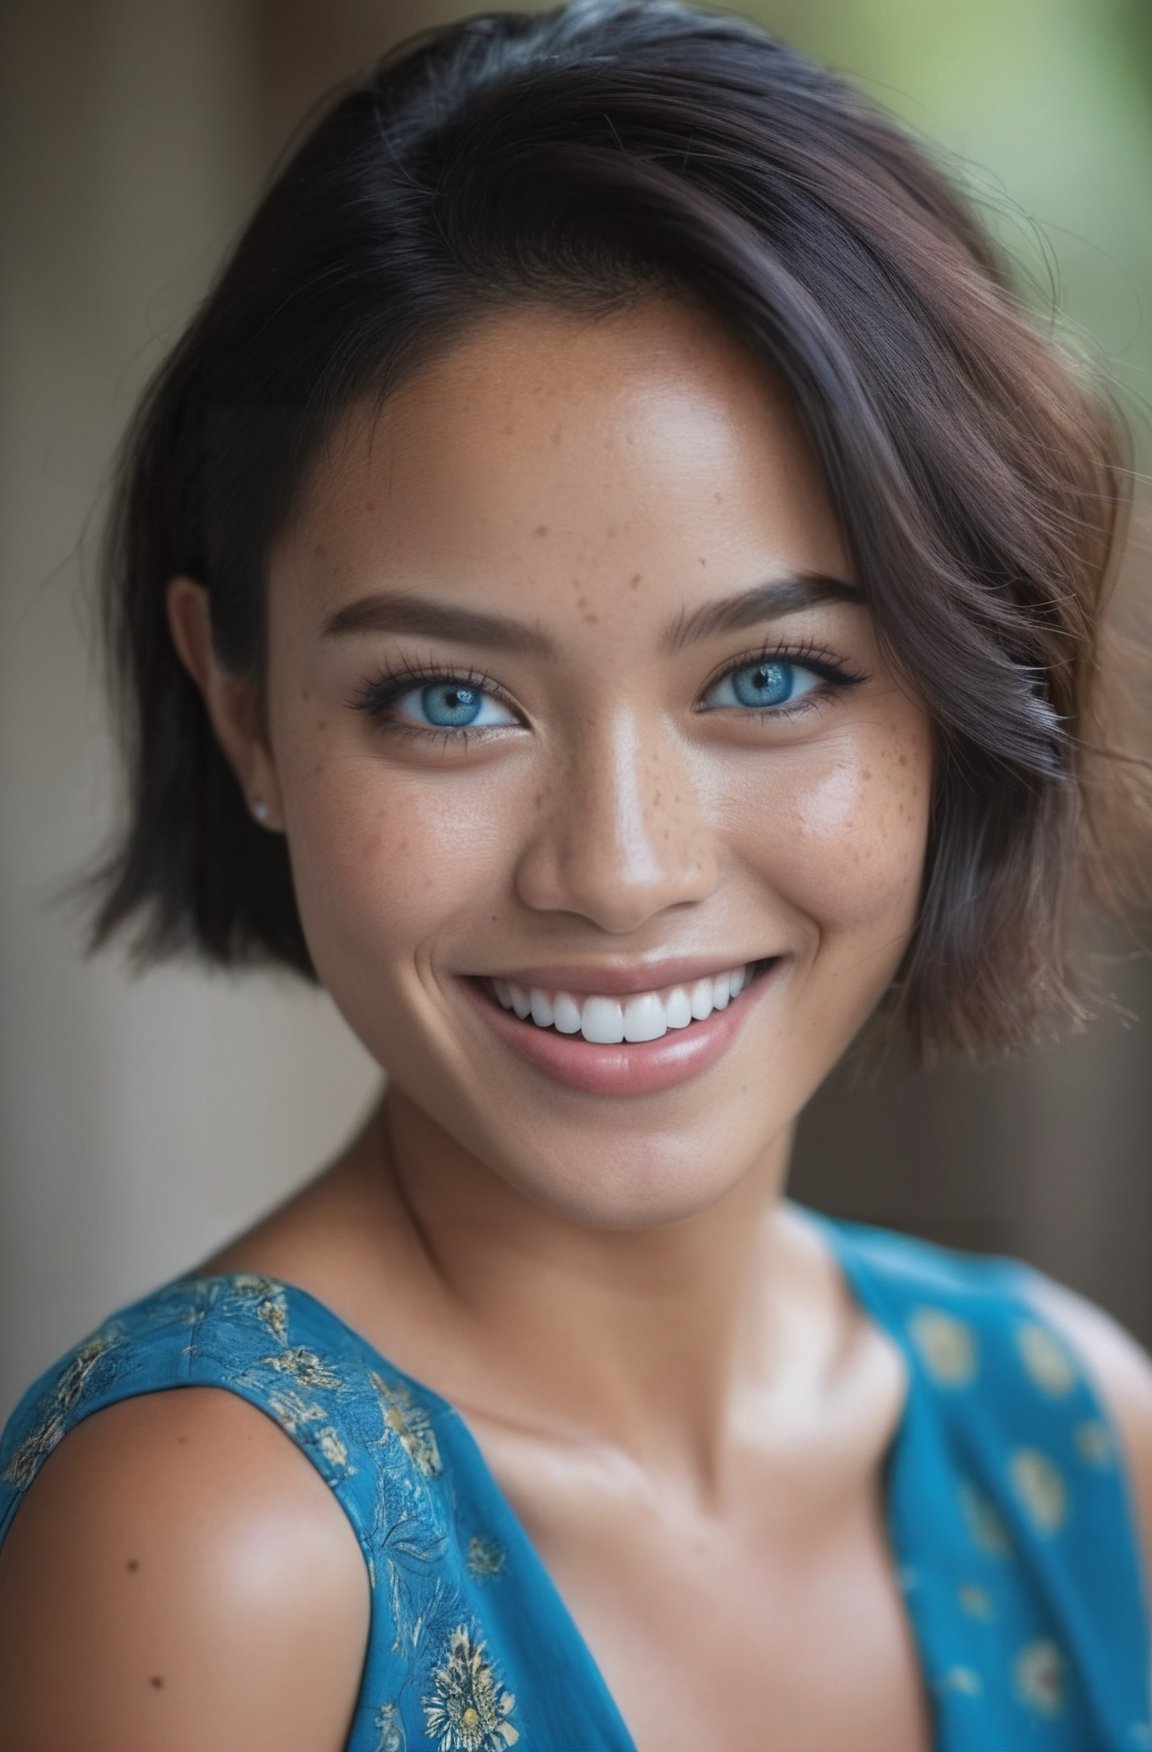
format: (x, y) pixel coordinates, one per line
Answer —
(634, 1045)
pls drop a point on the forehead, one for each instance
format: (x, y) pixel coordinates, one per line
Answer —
(551, 439)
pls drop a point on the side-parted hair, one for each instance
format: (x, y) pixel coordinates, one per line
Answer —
(580, 159)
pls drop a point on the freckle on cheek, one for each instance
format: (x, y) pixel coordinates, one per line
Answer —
(540, 529)
(634, 581)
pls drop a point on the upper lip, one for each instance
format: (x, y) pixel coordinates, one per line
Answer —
(648, 976)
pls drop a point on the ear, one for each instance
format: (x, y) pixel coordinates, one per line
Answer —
(228, 698)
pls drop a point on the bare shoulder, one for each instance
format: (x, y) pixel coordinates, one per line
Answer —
(182, 1563)
(1121, 1370)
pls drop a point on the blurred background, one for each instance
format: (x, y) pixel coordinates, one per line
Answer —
(143, 1121)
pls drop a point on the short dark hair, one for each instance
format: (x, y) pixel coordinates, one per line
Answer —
(580, 158)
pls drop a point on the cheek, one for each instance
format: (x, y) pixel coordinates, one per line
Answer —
(846, 841)
(381, 860)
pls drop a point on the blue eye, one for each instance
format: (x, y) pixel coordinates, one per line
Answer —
(768, 683)
(775, 684)
(448, 705)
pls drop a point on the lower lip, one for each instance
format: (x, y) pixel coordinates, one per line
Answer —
(642, 1067)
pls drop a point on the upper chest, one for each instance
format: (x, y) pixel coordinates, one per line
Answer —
(779, 1628)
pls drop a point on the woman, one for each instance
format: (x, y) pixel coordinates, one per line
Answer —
(610, 585)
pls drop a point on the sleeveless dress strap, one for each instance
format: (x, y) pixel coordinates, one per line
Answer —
(470, 1643)
(1010, 1506)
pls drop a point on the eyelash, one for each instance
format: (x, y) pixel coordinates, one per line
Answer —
(389, 684)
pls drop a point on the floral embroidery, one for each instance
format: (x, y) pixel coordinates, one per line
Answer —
(291, 1409)
(486, 1556)
(30, 1456)
(1093, 1442)
(430, 1565)
(1038, 1671)
(270, 1305)
(412, 1550)
(409, 1420)
(469, 1708)
(1046, 1360)
(947, 1345)
(306, 1367)
(334, 1449)
(964, 1680)
(75, 1382)
(984, 1521)
(975, 1600)
(77, 1377)
(1040, 1488)
(390, 1727)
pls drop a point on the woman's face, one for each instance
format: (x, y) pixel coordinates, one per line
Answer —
(549, 745)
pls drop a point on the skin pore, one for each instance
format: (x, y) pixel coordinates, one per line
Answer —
(612, 1286)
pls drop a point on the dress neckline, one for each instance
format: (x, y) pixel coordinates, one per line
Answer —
(583, 1678)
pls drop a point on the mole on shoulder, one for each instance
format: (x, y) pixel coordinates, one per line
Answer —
(133, 1563)
(156, 1681)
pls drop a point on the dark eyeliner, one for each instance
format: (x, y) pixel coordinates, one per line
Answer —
(377, 695)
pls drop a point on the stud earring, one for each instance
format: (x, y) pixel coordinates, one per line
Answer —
(259, 808)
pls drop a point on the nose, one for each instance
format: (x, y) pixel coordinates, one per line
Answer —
(618, 833)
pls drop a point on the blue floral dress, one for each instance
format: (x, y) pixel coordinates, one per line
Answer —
(1009, 1511)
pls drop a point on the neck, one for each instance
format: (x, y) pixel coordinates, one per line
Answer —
(663, 1342)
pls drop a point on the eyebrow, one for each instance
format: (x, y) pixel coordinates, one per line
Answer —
(402, 612)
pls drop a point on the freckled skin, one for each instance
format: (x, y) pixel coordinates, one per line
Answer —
(619, 1271)
(611, 821)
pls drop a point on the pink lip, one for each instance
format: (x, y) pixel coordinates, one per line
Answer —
(648, 976)
(639, 1068)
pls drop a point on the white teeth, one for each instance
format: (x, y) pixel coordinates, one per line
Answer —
(700, 998)
(608, 1021)
(602, 1021)
(521, 1002)
(644, 1017)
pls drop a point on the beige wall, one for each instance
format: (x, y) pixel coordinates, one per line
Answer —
(141, 1122)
